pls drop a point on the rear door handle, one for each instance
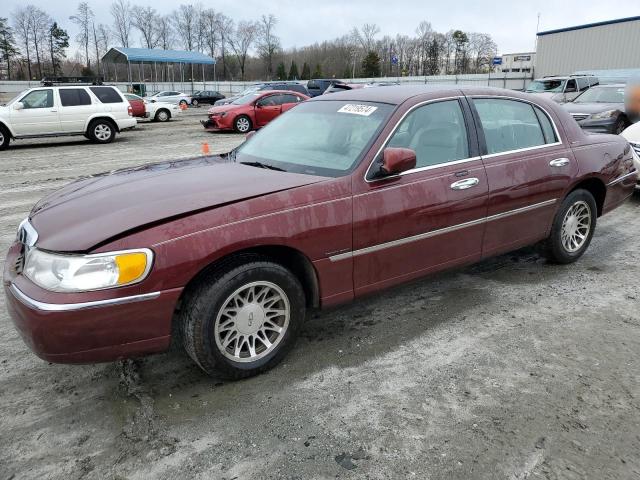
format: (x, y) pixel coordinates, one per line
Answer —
(464, 184)
(559, 162)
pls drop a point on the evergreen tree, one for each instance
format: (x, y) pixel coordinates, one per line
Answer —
(318, 71)
(8, 47)
(293, 71)
(58, 42)
(306, 72)
(281, 71)
(371, 65)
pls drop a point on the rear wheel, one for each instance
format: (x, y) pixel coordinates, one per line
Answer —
(242, 124)
(101, 131)
(162, 115)
(5, 138)
(194, 102)
(573, 227)
(242, 319)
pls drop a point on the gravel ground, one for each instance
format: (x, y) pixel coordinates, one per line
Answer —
(510, 369)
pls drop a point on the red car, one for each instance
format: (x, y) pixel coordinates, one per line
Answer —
(137, 105)
(345, 195)
(252, 111)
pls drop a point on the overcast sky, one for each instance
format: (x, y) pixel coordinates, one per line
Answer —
(512, 23)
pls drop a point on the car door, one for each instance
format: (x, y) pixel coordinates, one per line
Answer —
(529, 165)
(39, 115)
(430, 217)
(289, 101)
(267, 108)
(75, 108)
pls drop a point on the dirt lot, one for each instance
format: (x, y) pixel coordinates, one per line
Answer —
(510, 369)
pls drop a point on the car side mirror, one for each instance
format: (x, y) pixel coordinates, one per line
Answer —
(18, 106)
(397, 160)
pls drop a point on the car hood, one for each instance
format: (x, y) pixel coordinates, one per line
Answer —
(591, 108)
(224, 108)
(93, 210)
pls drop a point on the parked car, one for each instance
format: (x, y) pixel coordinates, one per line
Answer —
(169, 97)
(97, 112)
(266, 86)
(162, 111)
(205, 96)
(137, 105)
(317, 86)
(632, 135)
(341, 197)
(252, 111)
(341, 87)
(562, 89)
(600, 109)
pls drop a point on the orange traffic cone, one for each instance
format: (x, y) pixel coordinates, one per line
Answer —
(183, 106)
(205, 148)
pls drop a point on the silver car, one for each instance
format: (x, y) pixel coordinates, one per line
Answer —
(169, 96)
(562, 89)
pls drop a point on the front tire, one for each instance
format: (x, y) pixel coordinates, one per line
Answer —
(5, 138)
(573, 227)
(162, 116)
(242, 319)
(101, 131)
(242, 124)
(194, 103)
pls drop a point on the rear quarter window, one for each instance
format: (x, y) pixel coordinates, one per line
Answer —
(107, 94)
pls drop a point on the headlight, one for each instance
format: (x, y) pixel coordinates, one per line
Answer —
(607, 114)
(80, 273)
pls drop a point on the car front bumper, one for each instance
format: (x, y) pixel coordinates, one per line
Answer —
(217, 123)
(67, 328)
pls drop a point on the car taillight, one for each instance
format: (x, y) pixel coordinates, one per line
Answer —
(130, 111)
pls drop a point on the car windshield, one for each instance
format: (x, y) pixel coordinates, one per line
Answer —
(546, 86)
(15, 98)
(249, 90)
(153, 94)
(602, 95)
(317, 138)
(244, 100)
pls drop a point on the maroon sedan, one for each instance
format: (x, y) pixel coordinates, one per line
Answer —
(138, 108)
(252, 111)
(343, 196)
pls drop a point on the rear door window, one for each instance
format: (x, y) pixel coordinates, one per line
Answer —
(106, 94)
(508, 124)
(72, 97)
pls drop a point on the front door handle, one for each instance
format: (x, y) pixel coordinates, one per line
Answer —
(464, 184)
(559, 162)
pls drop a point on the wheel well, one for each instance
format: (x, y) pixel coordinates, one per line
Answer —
(161, 110)
(110, 120)
(290, 258)
(6, 129)
(596, 187)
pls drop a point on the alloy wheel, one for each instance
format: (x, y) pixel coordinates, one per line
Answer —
(576, 226)
(252, 322)
(102, 132)
(194, 103)
(243, 125)
(163, 116)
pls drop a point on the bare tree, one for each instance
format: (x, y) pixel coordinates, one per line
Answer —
(144, 19)
(122, 14)
(243, 37)
(23, 31)
(83, 19)
(186, 23)
(39, 23)
(164, 32)
(210, 22)
(225, 30)
(482, 48)
(268, 42)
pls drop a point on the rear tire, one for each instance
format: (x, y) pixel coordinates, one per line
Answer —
(242, 318)
(5, 138)
(242, 124)
(101, 131)
(162, 115)
(194, 103)
(573, 227)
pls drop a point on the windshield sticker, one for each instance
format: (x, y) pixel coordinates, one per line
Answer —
(364, 110)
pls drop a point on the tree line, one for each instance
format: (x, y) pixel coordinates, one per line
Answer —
(33, 45)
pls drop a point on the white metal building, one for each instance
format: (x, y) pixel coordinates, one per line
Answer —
(517, 63)
(614, 44)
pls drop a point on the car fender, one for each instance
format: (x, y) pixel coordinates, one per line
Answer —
(6, 124)
(96, 115)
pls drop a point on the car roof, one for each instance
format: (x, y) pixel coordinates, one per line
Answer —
(271, 92)
(397, 94)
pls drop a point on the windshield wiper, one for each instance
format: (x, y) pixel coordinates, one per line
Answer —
(263, 165)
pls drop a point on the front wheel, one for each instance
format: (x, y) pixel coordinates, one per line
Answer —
(242, 319)
(572, 228)
(194, 103)
(5, 138)
(101, 131)
(242, 124)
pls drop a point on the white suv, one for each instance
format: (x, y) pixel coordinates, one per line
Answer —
(97, 112)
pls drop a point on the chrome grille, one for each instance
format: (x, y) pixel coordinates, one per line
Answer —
(579, 116)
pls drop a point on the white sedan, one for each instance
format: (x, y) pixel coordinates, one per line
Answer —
(632, 135)
(169, 96)
(161, 111)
